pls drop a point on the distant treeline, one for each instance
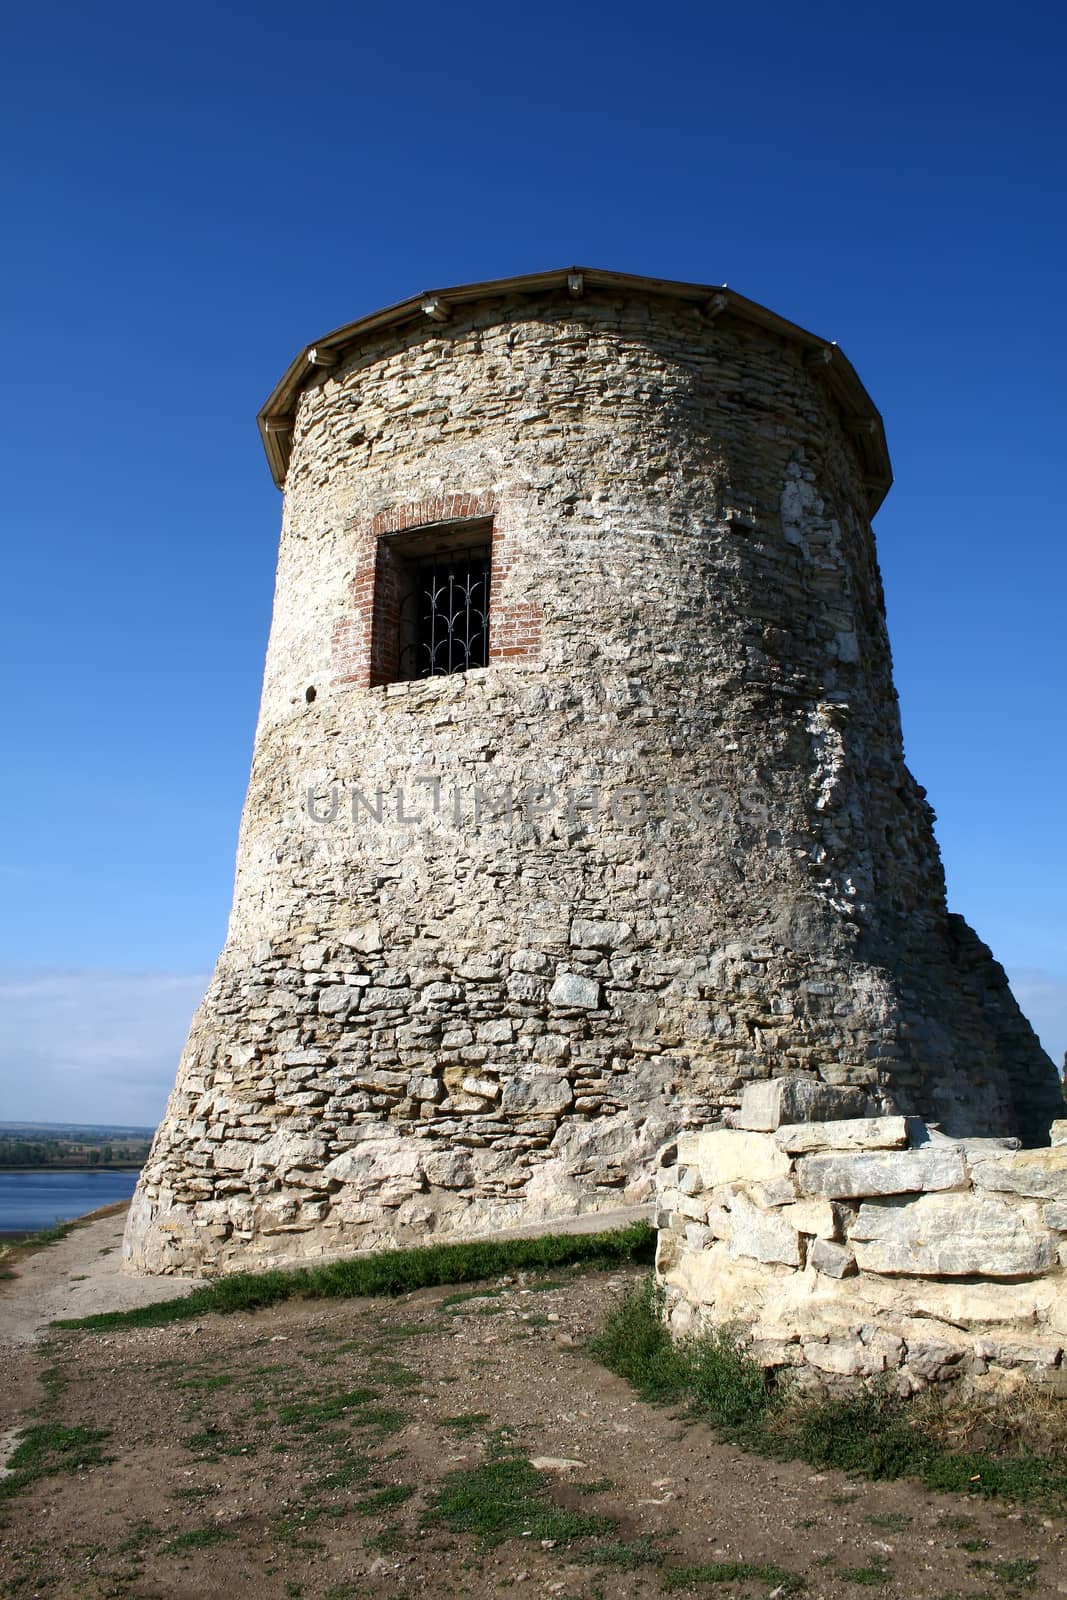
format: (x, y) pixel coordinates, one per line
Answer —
(71, 1153)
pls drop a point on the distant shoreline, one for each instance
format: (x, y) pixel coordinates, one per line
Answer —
(58, 1166)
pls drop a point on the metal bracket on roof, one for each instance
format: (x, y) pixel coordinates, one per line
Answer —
(436, 309)
(821, 357)
(575, 285)
(318, 357)
(277, 425)
(716, 306)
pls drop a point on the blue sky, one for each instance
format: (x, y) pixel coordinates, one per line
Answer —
(191, 194)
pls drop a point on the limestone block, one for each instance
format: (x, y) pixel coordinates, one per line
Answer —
(832, 1260)
(448, 1169)
(535, 961)
(857, 1133)
(726, 1155)
(1011, 1351)
(538, 1094)
(338, 1000)
(1058, 1132)
(697, 1236)
(817, 1217)
(596, 935)
(934, 1360)
(846, 1358)
(763, 1235)
(375, 1161)
(1038, 1173)
(776, 1192)
(499, 1030)
(774, 1101)
(1056, 1215)
(571, 989)
(523, 986)
(365, 937)
(485, 1088)
(844, 1176)
(951, 1236)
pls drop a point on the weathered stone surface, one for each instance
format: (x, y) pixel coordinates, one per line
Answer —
(816, 1217)
(586, 934)
(878, 1172)
(950, 1236)
(763, 1235)
(851, 1358)
(571, 989)
(726, 1155)
(833, 1260)
(1041, 1174)
(538, 1093)
(1058, 1131)
(767, 1105)
(858, 1133)
(684, 621)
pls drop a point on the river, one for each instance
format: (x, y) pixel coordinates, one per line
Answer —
(30, 1201)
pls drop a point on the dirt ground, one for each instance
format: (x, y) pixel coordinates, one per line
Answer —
(300, 1452)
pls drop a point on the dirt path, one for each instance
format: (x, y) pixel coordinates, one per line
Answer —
(76, 1277)
(302, 1452)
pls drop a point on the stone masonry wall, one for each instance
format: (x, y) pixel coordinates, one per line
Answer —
(848, 1248)
(717, 867)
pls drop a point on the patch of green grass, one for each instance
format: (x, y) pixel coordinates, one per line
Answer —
(505, 1497)
(207, 1439)
(1017, 1574)
(394, 1375)
(872, 1575)
(778, 1578)
(48, 1236)
(325, 1408)
(870, 1434)
(624, 1554)
(387, 1272)
(206, 1382)
(466, 1424)
(49, 1449)
(383, 1499)
(388, 1541)
(201, 1538)
(451, 1301)
(354, 1470)
(891, 1521)
(140, 1534)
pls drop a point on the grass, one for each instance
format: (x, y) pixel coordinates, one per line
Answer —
(505, 1497)
(778, 1578)
(44, 1451)
(976, 1449)
(387, 1272)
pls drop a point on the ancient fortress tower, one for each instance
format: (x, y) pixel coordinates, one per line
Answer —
(578, 797)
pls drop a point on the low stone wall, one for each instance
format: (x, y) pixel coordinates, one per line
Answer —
(848, 1247)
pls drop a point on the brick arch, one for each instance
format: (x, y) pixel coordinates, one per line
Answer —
(364, 642)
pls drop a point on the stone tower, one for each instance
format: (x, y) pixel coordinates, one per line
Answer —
(578, 797)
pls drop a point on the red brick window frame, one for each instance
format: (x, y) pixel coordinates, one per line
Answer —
(367, 638)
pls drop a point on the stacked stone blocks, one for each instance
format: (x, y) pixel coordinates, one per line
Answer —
(847, 1246)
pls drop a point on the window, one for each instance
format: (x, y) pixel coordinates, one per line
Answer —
(440, 599)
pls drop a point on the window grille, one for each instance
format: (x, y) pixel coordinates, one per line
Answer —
(444, 611)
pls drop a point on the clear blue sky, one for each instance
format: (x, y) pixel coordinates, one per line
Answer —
(191, 194)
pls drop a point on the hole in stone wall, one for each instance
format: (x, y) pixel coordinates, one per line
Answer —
(309, 695)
